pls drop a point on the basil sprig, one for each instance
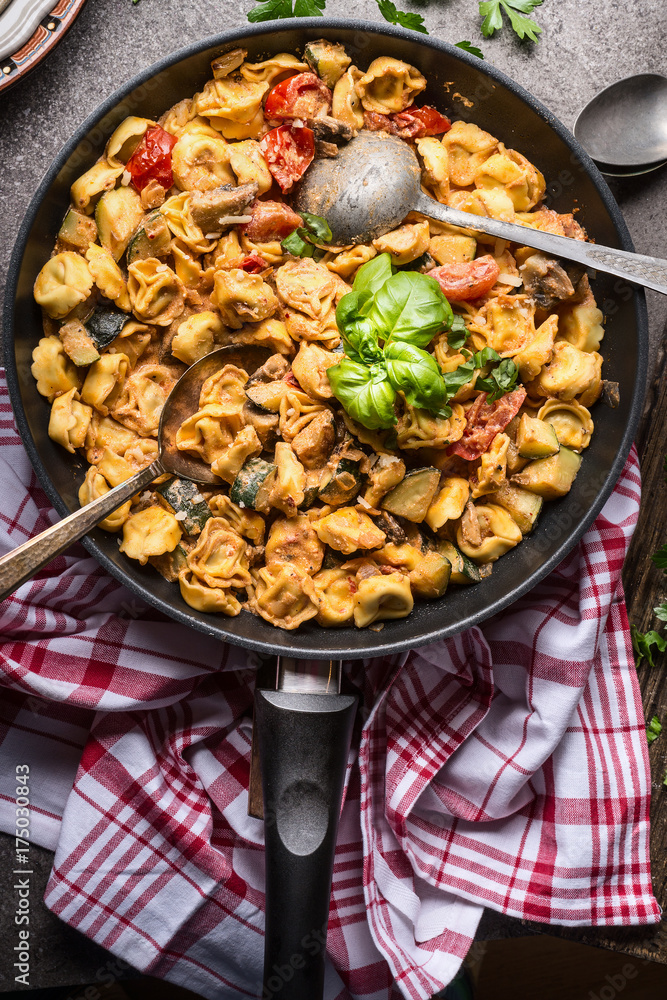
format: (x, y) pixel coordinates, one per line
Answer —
(301, 242)
(385, 322)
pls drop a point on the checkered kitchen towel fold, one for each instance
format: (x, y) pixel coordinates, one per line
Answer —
(506, 767)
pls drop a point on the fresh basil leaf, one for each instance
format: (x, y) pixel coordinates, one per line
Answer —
(317, 227)
(456, 379)
(642, 643)
(372, 275)
(359, 335)
(298, 244)
(499, 381)
(410, 306)
(416, 374)
(367, 395)
(457, 333)
(483, 357)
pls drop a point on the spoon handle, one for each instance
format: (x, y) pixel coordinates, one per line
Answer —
(23, 562)
(651, 272)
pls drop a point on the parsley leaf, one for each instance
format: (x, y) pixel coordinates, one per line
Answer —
(661, 611)
(492, 12)
(406, 20)
(660, 558)
(469, 47)
(654, 729)
(270, 10)
(499, 381)
(642, 643)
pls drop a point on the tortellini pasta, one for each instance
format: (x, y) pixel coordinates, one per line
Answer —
(308, 515)
(389, 85)
(63, 283)
(156, 292)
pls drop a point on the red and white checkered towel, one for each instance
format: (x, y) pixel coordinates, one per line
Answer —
(506, 767)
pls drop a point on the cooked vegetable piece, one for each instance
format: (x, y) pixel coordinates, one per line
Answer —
(413, 496)
(463, 282)
(267, 395)
(328, 59)
(536, 438)
(118, 213)
(342, 484)
(464, 570)
(288, 150)
(431, 575)
(151, 239)
(170, 564)
(105, 324)
(151, 160)
(252, 487)
(77, 230)
(78, 344)
(183, 497)
(550, 477)
(523, 505)
(301, 96)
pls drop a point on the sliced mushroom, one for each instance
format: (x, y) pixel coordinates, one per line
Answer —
(210, 209)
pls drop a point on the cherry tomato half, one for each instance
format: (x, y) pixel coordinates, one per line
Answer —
(422, 121)
(485, 420)
(271, 220)
(300, 96)
(288, 150)
(253, 263)
(462, 282)
(151, 160)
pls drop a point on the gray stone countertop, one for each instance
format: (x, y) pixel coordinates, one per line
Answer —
(584, 47)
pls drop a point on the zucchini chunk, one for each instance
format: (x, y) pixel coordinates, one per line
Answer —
(105, 324)
(170, 564)
(551, 477)
(151, 239)
(78, 344)
(464, 570)
(118, 214)
(77, 230)
(268, 395)
(343, 484)
(414, 494)
(523, 505)
(182, 496)
(536, 438)
(328, 59)
(252, 486)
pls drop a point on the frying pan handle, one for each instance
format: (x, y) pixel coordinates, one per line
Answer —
(304, 741)
(17, 566)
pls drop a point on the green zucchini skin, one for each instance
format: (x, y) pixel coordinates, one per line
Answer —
(252, 486)
(177, 495)
(464, 570)
(413, 495)
(151, 239)
(78, 345)
(105, 325)
(345, 484)
(521, 504)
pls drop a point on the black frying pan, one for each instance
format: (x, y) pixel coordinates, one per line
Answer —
(463, 86)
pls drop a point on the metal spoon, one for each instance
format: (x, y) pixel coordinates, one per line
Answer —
(375, 181)
(23, 562)
(625, 125)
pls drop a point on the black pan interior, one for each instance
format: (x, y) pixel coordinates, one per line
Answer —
(466, 88)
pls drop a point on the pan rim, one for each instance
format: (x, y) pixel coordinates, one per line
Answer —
(310, 648)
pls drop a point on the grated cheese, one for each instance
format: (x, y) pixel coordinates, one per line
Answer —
(126, 178)
(212, 236)
(180, 515)
(364, 503)
(232, 220)
(197, 498)
(509, 279)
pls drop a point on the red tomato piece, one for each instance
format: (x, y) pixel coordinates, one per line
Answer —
(418, 122)
(253, 263)
(288, 150)
(151, 160)
(271, 220)
(485, 420)
(414, 123)
(300, 96)
(462, 282)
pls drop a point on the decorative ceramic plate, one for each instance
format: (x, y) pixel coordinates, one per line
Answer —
(29, 29)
